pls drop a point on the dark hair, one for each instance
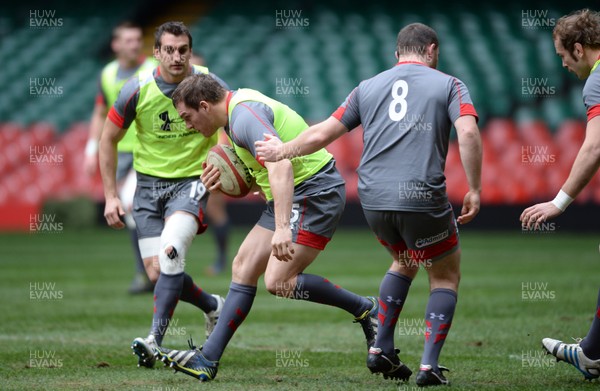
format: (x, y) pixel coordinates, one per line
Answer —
(415, 38)
(175, 28)
(196, 88)
(124, 25)
(581, 26)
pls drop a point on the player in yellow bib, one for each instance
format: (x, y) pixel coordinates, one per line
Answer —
(127, 45)
(170, 198)
(305, 200)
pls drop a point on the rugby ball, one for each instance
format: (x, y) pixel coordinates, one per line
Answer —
(236, 180)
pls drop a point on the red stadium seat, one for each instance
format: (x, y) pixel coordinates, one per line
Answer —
(570, 133)
(338, 151)
(43, 132)
(536, 135)
(499, 133)
(9, 132)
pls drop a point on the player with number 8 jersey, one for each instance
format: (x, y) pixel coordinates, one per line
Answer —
(170, 198)
(407, 113)
(305, 200)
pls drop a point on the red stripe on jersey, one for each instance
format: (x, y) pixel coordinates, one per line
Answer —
(116, 118)
(259, 119)
(598, 313)
(339, 113)
(312, 240)
(594, 111)
(229, 96)
(465, 108)
(468, 109)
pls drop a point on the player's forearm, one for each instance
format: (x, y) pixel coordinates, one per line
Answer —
(108, 160)
(584, 168)
(96, 124)
(281, 180)
(306, 143)
(471, 156)
(587, 161)
(314, 138)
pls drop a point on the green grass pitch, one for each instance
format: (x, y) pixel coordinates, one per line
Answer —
(67, 322)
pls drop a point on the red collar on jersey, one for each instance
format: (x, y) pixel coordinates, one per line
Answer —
(410, 62)
(227, 100)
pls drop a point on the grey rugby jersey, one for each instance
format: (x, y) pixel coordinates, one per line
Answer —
(407, 113)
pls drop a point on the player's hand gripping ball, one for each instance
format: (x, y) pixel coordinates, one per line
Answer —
(235, 177)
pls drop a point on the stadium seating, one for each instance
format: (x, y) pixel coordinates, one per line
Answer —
(340, 44)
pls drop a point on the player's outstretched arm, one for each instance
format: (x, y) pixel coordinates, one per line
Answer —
(469, 144)
(585, 166)
(309, 141)
(281, 180)
(113, 210)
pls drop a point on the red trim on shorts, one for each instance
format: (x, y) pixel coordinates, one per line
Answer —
(201, 226)
(116, 118)
(438, 249)
(313, 240)
(397, 248)
(593, 112)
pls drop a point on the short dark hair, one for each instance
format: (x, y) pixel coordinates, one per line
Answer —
(415, 38)
(124, 25)
(581, 26)
(196, 88)
(175, 28)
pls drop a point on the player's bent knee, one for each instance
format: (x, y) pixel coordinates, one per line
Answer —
(245, 270)
(278, 286)
(176, 239)
(274, 286)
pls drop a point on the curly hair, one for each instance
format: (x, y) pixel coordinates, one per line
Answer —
(581, 26)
